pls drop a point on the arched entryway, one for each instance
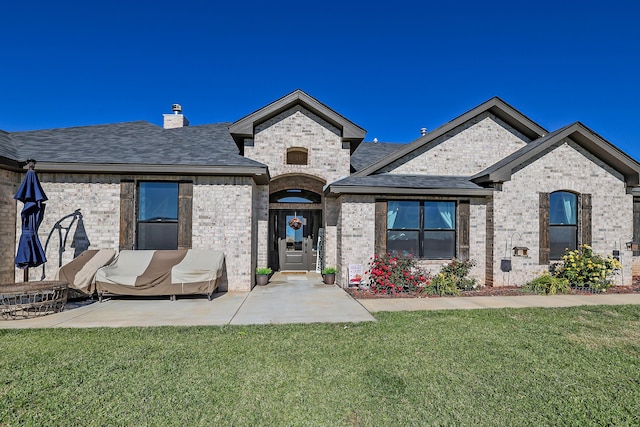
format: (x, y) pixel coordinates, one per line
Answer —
(295, 222)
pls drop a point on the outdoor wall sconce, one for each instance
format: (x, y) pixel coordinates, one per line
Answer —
(520, 251)
(632, 246)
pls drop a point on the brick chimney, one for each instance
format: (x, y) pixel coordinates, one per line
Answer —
(175, 120)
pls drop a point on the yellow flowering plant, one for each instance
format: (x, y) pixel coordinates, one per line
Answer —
(584, 268)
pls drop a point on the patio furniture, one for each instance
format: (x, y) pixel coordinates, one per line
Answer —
(162, 273)
(80, 273)
(32, 299)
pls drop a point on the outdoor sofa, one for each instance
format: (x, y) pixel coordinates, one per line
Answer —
(162, 273)
(80, 273)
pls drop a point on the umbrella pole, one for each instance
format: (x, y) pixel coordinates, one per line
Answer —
(25, 277)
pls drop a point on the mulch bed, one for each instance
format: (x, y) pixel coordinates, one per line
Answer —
(488, 291)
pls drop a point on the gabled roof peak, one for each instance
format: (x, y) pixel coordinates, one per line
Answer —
(495, 106)
(244, 127)
(577, 132)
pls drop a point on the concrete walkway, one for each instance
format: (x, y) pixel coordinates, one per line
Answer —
(288, 298)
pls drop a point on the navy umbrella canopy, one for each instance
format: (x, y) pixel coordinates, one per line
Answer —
(30, 252)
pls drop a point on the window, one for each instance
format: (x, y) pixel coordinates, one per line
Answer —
(295, 196)
(297, 156)
(422, 229)
(157, 215)
(563, 223)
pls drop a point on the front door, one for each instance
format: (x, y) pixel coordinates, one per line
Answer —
(295, 235)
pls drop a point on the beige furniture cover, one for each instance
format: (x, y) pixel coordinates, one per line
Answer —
(162, 272)
(80, 273)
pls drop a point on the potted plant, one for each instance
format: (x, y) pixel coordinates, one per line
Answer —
(329, 275)
(262, 275)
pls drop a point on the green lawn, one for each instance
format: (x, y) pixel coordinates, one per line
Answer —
(572, 366)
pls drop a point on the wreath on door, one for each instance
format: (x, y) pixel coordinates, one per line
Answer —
(295, 223)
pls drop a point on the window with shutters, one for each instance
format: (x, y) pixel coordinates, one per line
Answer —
(565, 223)
(421, 229)
(148, 206)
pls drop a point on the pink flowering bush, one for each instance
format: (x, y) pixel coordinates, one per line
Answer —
(395, 275)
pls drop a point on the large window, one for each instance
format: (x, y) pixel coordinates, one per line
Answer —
(563, 223)
(422, 229)
(157, 215)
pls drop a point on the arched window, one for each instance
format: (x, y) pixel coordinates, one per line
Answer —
(563, 223)
(297, 156)
(295, 196)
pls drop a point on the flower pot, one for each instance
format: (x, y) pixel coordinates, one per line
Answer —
(262, 279)
(329, 279)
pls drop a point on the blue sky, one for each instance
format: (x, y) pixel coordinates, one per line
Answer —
(390, 67)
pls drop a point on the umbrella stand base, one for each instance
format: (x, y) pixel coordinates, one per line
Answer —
(32, 299)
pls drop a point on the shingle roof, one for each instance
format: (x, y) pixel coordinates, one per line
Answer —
(387, 183)
(7, 146)
(368, 153)
(132, 143)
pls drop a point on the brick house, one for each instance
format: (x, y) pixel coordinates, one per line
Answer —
(475, 188)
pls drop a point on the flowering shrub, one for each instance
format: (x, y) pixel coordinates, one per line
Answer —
(583, 268)
(452, 279)
(394, 274)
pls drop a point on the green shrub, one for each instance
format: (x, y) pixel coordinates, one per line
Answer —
(260, 271)
(443, 284)
(452, 279)
(583, 268)
(548, 285)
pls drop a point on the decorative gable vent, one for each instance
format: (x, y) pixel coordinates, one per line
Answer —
(297, 156)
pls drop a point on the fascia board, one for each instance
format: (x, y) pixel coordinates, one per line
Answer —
(335, 190)
(261, 174)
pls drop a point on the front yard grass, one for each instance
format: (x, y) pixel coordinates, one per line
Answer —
(568, 366)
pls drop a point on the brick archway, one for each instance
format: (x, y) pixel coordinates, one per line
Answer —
(281, 255)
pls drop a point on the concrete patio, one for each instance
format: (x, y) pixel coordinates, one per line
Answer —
(288, 298)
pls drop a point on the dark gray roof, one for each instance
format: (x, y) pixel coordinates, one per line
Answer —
(579, 133)
(387, 183)
(132, 143)
(7, 146)
(368, 153)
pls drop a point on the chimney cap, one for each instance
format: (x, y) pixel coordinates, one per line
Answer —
(176, 108)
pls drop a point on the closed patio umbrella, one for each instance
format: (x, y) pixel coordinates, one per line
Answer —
(31, 194)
